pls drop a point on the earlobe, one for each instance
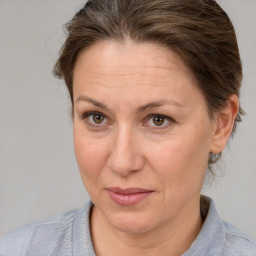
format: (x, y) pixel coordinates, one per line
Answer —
(224, 124)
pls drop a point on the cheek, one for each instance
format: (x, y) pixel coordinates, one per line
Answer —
(168, 161)
(91, 155)
(180, 164)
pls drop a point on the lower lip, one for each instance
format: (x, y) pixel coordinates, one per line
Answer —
(128, 199)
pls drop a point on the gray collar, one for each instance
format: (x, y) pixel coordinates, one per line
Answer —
(210, 240)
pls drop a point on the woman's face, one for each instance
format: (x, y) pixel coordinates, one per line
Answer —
(142, 134)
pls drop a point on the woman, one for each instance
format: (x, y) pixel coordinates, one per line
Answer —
(154, 86)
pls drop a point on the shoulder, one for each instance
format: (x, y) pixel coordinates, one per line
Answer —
(50, 232)
(218, 237)
(237, 243)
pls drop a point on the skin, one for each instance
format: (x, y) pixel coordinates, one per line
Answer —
(126, 147)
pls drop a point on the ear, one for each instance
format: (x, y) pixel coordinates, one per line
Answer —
(224, 124)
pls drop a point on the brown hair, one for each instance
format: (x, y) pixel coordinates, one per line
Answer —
(198, 30)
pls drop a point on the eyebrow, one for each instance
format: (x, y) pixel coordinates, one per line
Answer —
(159, 104)
(92, 101)
(139, 109)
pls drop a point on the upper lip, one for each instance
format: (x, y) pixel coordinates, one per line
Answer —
(127, 191)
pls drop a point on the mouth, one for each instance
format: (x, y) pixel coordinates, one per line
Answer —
(128, 197)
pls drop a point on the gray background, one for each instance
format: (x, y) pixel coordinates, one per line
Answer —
(38, 172)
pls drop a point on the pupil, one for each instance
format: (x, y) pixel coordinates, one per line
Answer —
(97, 119)
(158, 121)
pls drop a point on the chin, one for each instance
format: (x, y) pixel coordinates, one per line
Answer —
(131, 222)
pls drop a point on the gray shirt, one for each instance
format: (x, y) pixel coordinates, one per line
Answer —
(68, 234)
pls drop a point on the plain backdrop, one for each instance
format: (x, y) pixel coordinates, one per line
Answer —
(39, 176)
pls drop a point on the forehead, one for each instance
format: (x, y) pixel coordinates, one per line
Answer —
(132, 70)
(109, 57)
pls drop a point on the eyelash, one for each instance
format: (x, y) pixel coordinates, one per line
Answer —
(85, 116)
(148, 118)
(165, 118)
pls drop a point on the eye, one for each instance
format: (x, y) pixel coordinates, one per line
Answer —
(94, 118)
(158, 120)
(161, 121)
(97, 119)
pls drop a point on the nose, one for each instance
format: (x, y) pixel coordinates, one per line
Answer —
(125, 155)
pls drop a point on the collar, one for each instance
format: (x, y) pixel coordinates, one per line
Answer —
(209, 241)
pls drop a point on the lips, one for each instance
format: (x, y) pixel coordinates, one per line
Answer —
(129, 196)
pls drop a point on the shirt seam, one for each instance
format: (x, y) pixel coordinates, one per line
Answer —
(240, 236)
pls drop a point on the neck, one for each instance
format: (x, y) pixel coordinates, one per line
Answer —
(172, 239)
